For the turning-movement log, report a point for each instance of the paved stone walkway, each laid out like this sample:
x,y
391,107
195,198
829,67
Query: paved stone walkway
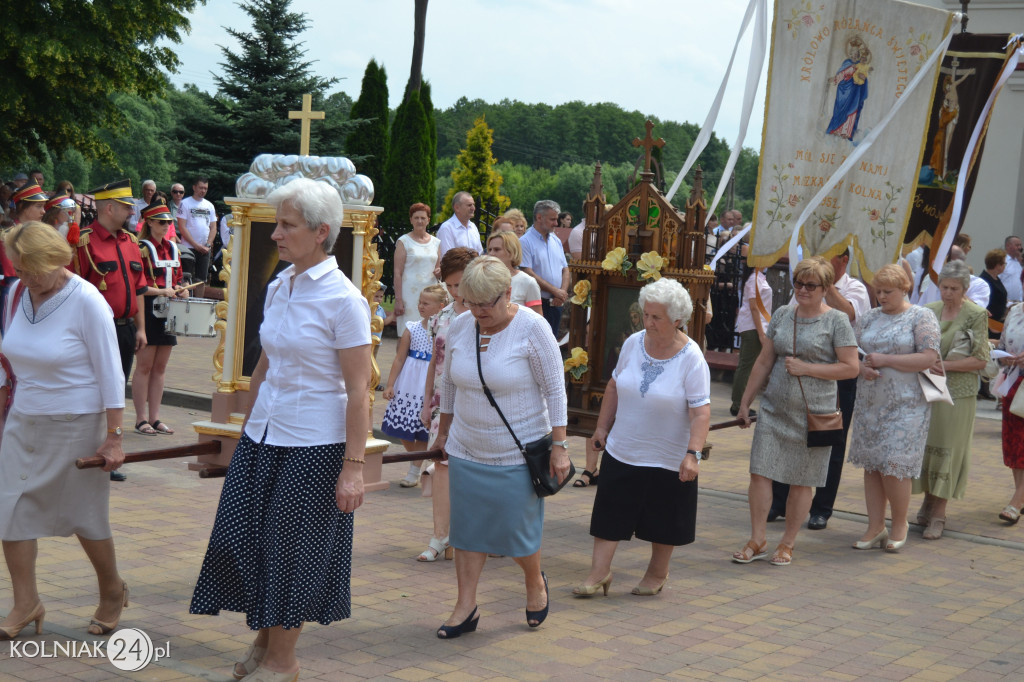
x,y
950,609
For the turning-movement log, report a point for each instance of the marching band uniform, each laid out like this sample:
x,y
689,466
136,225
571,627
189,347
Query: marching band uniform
x,y
112,262
163,271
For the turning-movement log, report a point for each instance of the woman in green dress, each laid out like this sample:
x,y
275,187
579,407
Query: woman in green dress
x,y
965,351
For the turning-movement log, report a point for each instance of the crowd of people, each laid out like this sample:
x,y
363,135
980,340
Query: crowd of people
x,y
478,375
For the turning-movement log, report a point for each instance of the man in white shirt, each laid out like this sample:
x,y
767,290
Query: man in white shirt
x,y
1011,275
148,192
979,291
459,230
544,260
851,297
197,227
576,240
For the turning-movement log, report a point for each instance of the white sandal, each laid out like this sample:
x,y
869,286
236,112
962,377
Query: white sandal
x,y
435,549
253,658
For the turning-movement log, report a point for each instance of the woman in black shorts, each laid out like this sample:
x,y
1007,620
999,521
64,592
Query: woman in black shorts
x,y
163,272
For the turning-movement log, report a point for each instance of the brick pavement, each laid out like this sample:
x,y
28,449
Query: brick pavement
x,y
938,610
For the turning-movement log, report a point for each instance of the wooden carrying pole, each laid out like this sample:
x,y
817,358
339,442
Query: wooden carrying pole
x,y
213,448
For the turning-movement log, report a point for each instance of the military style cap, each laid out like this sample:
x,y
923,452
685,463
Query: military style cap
x,y
120,191
62,200
157,211
29,193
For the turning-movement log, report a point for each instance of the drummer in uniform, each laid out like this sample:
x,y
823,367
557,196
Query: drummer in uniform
x,y
107,256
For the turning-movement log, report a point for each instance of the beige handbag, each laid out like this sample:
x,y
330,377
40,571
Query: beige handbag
x,y
934,387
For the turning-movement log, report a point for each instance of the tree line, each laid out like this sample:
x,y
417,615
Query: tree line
x,y
412,153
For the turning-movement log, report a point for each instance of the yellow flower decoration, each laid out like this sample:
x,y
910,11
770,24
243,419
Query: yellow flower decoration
x,y
616,260
576,363
582,291
650,264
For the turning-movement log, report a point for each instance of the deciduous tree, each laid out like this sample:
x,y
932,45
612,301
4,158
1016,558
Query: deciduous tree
x,y
61,60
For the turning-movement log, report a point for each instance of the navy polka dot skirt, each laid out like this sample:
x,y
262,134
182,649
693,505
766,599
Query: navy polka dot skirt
x,y
280,550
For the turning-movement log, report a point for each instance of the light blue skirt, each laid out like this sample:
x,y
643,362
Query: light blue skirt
x,y
494,509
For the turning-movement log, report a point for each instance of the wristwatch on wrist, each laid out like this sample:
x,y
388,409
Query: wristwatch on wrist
x,y
696,453
117,431
561,443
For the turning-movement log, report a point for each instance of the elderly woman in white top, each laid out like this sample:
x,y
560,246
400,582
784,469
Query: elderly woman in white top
x,y
659,397
281,545
494,509
70,400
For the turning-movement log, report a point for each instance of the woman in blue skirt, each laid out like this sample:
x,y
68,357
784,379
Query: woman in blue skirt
x,y
494,509
281,546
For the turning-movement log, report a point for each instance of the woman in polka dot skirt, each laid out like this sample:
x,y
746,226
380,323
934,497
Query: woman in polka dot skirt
x,y
281,546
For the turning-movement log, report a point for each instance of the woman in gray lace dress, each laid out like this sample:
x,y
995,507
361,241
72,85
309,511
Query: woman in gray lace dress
x,y
900,340
808,343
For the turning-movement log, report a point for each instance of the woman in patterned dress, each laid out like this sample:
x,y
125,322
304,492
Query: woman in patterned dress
x,y
1012,341
453,263
825,351
281,546
900,340
417,256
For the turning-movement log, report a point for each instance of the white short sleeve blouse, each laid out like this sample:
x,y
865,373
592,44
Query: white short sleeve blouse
x,y
652,421
307,319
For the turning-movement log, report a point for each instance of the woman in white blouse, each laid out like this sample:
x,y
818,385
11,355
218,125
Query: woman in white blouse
x,y
281,546
494,509
69,404
657,400
505,247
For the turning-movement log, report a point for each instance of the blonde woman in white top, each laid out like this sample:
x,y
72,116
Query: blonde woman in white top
x,y
494,509
69,404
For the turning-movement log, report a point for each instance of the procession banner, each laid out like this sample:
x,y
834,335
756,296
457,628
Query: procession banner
x,y
969,74
848,79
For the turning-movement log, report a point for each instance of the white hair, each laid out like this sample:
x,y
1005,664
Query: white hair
x,y
956,270
671,294
318,202
484,279
146,183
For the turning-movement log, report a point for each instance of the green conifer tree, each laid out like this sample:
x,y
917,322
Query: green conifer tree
x,y
407,175
428,109
474,171
370,139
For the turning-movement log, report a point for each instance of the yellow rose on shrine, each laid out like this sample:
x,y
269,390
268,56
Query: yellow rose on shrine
x,y
582,293
616,260
576,363
650,264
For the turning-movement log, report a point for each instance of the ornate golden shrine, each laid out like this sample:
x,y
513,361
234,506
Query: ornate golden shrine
x,y
643,221
245,272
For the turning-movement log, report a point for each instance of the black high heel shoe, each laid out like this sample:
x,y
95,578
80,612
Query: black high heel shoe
x,y
453,631
539,616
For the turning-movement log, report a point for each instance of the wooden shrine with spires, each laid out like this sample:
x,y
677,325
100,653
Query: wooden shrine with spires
x,y
643,221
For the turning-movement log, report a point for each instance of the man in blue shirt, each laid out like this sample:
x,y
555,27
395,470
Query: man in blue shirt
x,y
544,260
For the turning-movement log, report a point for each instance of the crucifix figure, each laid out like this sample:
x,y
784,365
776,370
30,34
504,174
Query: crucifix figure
x,y
649,143
306,115
949,115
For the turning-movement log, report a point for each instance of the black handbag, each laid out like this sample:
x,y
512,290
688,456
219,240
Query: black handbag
x,y
537,453
823,430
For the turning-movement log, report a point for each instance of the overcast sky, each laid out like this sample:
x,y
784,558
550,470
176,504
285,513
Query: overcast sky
x,y
661,57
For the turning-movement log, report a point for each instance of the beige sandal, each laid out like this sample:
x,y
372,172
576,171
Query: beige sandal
x,y
935,528
783,555
750,553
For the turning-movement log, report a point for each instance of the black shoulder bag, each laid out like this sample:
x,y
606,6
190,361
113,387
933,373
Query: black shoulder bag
x,y
536,453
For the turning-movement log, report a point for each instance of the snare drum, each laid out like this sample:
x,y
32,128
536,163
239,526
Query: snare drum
x,y
191,317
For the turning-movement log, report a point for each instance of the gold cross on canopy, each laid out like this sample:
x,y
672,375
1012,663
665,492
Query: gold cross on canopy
x,y
648,143
306,115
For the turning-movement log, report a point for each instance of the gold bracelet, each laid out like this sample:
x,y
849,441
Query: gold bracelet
x,y
353,460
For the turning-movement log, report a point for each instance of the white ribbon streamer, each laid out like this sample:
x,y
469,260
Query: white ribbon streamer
x,y
704,136
724,249
939,255
869,139
758,48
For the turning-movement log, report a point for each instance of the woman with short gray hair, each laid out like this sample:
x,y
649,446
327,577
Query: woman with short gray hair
x,y
658,398
964,350
281,546
494,509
